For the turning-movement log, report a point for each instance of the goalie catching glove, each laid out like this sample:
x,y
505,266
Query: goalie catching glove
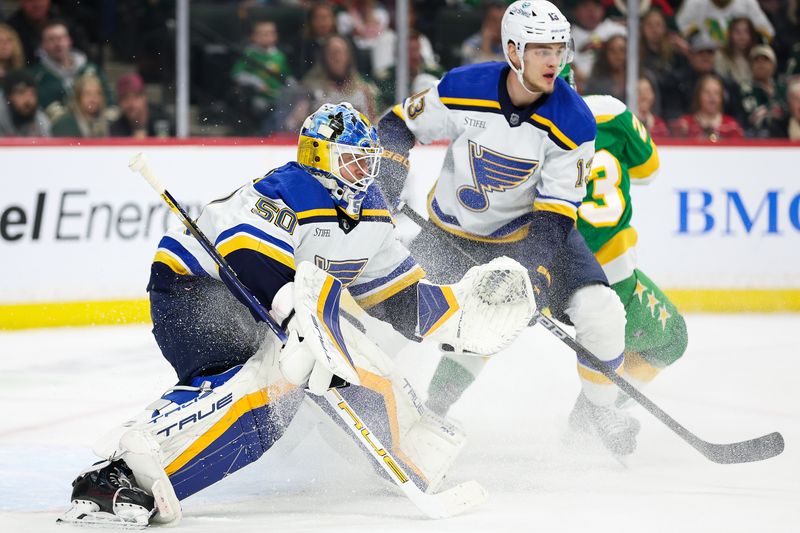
x,y
482,313
316,350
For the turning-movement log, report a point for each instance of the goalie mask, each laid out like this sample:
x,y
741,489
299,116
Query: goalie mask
x,y
536,21
341,148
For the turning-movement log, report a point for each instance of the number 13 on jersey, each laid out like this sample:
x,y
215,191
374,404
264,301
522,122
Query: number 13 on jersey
x,y
607,204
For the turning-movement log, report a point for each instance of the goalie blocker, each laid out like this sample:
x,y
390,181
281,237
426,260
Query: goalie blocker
x,y
198,433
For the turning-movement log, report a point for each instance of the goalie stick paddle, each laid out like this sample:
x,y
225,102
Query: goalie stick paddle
x,y
756,449
444,504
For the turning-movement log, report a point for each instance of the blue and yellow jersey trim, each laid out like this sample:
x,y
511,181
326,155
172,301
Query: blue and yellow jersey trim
x,y
295,187
377,215
555,134
377,290
373,209
479,80
172,253
587,371
315,216
397,109
565,117
247,237
513,231
472,87
471,104
175,264
556,205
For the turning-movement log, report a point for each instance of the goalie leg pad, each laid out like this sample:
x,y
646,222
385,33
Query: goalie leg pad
x,y
388,404
435,442
197,434
376,403
599,319
323,351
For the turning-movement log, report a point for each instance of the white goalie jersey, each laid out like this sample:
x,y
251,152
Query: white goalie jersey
x,y
503,162
266,228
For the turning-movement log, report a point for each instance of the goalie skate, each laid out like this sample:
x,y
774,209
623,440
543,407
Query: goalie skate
x,y
615,429
109,498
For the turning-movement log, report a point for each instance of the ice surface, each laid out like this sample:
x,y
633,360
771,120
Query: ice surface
x,y
62,388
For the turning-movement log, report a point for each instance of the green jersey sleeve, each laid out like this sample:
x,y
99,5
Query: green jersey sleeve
x,y
622,134
624,154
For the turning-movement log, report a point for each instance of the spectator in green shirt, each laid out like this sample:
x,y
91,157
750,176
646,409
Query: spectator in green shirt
x,y
59,67
260,74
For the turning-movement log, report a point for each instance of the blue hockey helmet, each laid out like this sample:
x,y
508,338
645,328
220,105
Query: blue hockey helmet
x,y
341,148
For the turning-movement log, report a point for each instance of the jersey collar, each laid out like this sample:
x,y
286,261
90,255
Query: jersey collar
x,y
515,115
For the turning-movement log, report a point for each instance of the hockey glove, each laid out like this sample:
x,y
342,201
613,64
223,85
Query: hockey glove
x,y
482,313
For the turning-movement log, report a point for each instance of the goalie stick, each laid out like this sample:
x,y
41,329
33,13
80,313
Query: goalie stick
x,y
444,504
757,449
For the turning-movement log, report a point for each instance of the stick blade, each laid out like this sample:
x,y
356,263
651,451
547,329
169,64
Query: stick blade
x,y
748,451
453,501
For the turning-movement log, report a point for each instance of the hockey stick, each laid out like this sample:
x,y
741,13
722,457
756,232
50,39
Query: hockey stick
x,y
747,451
444,504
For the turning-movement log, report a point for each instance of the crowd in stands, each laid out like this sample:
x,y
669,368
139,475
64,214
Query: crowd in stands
x,y
709,69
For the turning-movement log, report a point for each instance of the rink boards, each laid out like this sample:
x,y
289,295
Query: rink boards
x,y
719,227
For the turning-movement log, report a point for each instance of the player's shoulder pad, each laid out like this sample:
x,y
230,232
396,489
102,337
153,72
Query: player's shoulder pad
x,y
566,118
604,107
295,186
471,86
374,207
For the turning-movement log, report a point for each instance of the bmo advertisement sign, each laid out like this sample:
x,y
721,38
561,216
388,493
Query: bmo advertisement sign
x,y
77,226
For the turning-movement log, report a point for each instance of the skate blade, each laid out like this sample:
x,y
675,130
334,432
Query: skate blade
x,y
109,521
87,514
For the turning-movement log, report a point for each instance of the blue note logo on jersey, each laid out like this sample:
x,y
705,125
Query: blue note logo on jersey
x,y
492,171
345,271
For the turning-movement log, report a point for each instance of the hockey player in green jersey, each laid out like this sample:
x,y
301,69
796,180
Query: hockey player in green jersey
x,y
655,334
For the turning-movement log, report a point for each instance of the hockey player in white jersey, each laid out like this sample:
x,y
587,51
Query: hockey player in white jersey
x,y
521,144
289,236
